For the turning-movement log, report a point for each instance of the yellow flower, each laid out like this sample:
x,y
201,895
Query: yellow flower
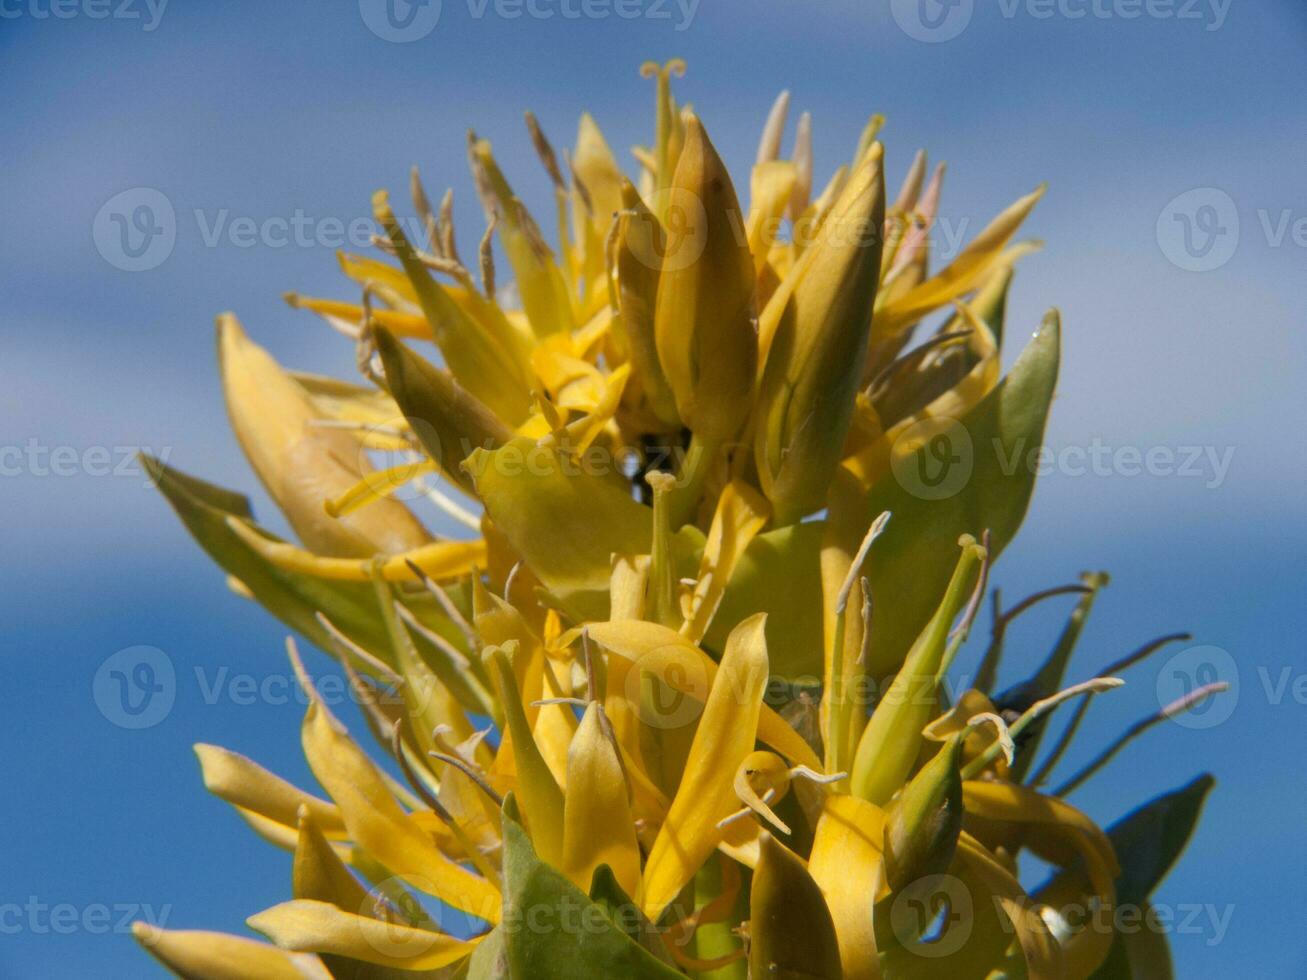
x,y
688,475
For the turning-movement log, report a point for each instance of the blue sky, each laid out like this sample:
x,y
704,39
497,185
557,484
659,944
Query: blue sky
x,y
264,111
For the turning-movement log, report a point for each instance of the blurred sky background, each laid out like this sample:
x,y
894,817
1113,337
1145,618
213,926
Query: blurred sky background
x,y
258,109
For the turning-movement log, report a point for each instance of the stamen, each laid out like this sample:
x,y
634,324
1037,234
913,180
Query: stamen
x,y
512,577
1033,713
1073,726
467,770
1176,707
431,636
423,207
447,247
450,506
486,252
544,151
877,526
354,650
865,647
446,604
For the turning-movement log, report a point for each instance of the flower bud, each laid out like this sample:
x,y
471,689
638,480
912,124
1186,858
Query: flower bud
x,y
704,323
816,334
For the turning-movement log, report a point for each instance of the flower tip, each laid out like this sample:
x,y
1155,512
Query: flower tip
x,y
144,933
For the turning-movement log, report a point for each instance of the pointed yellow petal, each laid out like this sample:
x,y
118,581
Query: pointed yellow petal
x,y
376,821
846,862
319,874
479,361
725,735
539,279
300,464
440,560
741,514
245,784
597,824
309,926
214,956
961,276
542,800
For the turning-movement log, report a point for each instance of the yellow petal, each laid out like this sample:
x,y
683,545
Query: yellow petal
x,y
376,821
597,824
667,655
817,327
308,926
247,785
961,276
740,515
480,362
196,955
318,872
1052,827
790,926
891,741
542,800
725,735
440,560
300,464
847,864
539,279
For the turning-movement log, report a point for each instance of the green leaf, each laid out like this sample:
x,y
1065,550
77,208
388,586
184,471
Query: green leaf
x,y
293,598
910,564
624,913
567,518
553,931
490,961
1149,840
779,574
